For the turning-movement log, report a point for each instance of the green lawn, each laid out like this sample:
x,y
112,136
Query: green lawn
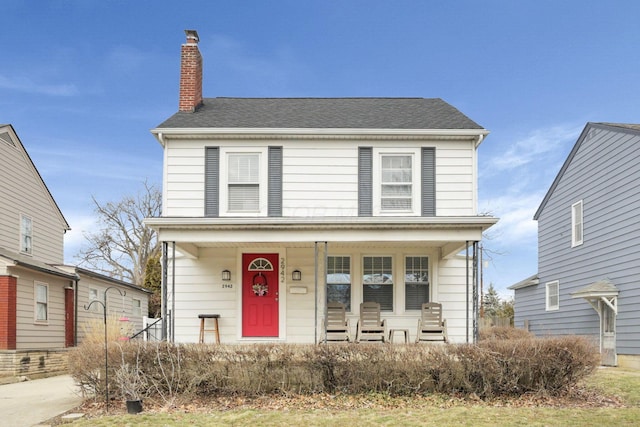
x,y
612,384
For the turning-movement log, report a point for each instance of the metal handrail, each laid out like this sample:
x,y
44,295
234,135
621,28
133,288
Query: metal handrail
x,y
145,329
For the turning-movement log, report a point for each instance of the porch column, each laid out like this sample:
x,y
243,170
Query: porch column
x,y
8,303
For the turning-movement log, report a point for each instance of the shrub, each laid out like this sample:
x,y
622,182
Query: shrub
x,y
504,333
491,368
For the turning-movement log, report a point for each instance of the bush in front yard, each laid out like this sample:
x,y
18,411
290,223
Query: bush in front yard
x,y
490,368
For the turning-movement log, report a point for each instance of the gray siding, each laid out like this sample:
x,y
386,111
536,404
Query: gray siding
x,y
604,173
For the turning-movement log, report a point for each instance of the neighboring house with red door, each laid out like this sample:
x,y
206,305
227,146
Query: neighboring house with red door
x,y
38,304
272,206
588,259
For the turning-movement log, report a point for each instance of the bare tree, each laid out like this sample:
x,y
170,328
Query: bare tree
x,y
123,245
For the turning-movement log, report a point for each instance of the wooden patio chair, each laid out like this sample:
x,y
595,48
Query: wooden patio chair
x,y
370,327
337,326
431,326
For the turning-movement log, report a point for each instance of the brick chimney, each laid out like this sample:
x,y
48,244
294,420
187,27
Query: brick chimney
x,y
190,74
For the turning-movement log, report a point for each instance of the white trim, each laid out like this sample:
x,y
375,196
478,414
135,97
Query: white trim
x,y
549,307
224,181
35,303
24,217
377,181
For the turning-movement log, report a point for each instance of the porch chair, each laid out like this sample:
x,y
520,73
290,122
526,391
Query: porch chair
x,y
337,326
431,326
370,327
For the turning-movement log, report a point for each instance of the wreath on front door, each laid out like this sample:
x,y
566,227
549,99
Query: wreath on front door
x,y
260,287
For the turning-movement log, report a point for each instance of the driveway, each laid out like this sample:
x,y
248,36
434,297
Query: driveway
x,y
32,402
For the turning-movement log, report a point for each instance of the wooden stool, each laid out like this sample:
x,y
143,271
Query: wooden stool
x,y
215,329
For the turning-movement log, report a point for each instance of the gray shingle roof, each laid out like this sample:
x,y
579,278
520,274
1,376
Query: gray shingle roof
x,y
335,113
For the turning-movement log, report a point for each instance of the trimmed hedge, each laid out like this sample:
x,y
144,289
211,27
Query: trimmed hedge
x,y
488,369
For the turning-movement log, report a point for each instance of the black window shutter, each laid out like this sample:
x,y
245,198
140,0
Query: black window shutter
x,y
428,181
275,182
365,181
212,182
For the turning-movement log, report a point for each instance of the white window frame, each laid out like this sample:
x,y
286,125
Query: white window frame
x,y
26,233
577,223
549,287
416,166
350,305
262,181
37,303
427,283
94,307
136,306
391,277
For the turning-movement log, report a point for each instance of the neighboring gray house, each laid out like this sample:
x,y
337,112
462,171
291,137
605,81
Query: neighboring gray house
x,y
588,257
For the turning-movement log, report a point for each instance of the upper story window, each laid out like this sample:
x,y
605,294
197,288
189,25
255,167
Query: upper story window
x,y
339,280
377,281
553,295
41,302
396,183
416,282
577,224
243,182
26,235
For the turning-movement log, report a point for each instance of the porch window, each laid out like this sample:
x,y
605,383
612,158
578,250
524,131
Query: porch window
x,y
396,183
41,302
577,227
26,234
416,282
553,295
339,280
244,182
609,318
377,281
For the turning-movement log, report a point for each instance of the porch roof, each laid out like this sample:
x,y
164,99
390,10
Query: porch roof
x,y
450,234
602,288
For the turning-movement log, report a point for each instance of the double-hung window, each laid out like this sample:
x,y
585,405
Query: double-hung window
x,y
553,295
416,282
577,224
396,183
377,281
136,307
26,235
243,178
41,302
339,280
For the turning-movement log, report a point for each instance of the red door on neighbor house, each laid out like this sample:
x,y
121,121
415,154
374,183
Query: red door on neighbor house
x,y
69,318
260,295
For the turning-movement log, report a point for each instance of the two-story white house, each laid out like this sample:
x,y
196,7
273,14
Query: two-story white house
x,y
272,206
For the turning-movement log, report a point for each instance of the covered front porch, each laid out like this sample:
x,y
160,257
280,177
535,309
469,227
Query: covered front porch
x,y
215,265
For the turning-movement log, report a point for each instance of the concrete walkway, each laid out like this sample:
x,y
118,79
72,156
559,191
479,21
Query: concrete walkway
x,y
29,403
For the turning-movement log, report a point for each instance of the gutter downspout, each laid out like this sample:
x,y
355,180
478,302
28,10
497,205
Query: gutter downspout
x,y
315,307
467,279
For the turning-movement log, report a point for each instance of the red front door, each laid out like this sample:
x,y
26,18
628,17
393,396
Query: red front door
x,y
260,295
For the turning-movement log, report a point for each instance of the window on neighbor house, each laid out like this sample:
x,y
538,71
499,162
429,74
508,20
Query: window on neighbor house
x,y
26,235
396,192
93,296
136,309
577,225
339,280
416,282
377,281
244,182
41,302
553,295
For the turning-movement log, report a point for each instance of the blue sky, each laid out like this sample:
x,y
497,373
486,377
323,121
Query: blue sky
x,y
83,82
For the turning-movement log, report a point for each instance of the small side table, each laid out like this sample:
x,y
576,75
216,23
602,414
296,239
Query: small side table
x,y
404,331
215,328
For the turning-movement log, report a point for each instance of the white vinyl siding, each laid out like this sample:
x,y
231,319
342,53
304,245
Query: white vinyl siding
x,y
320,178
577,224
41,302
553,295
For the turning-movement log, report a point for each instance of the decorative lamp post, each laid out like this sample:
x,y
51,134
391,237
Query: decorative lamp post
x,y
106,348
